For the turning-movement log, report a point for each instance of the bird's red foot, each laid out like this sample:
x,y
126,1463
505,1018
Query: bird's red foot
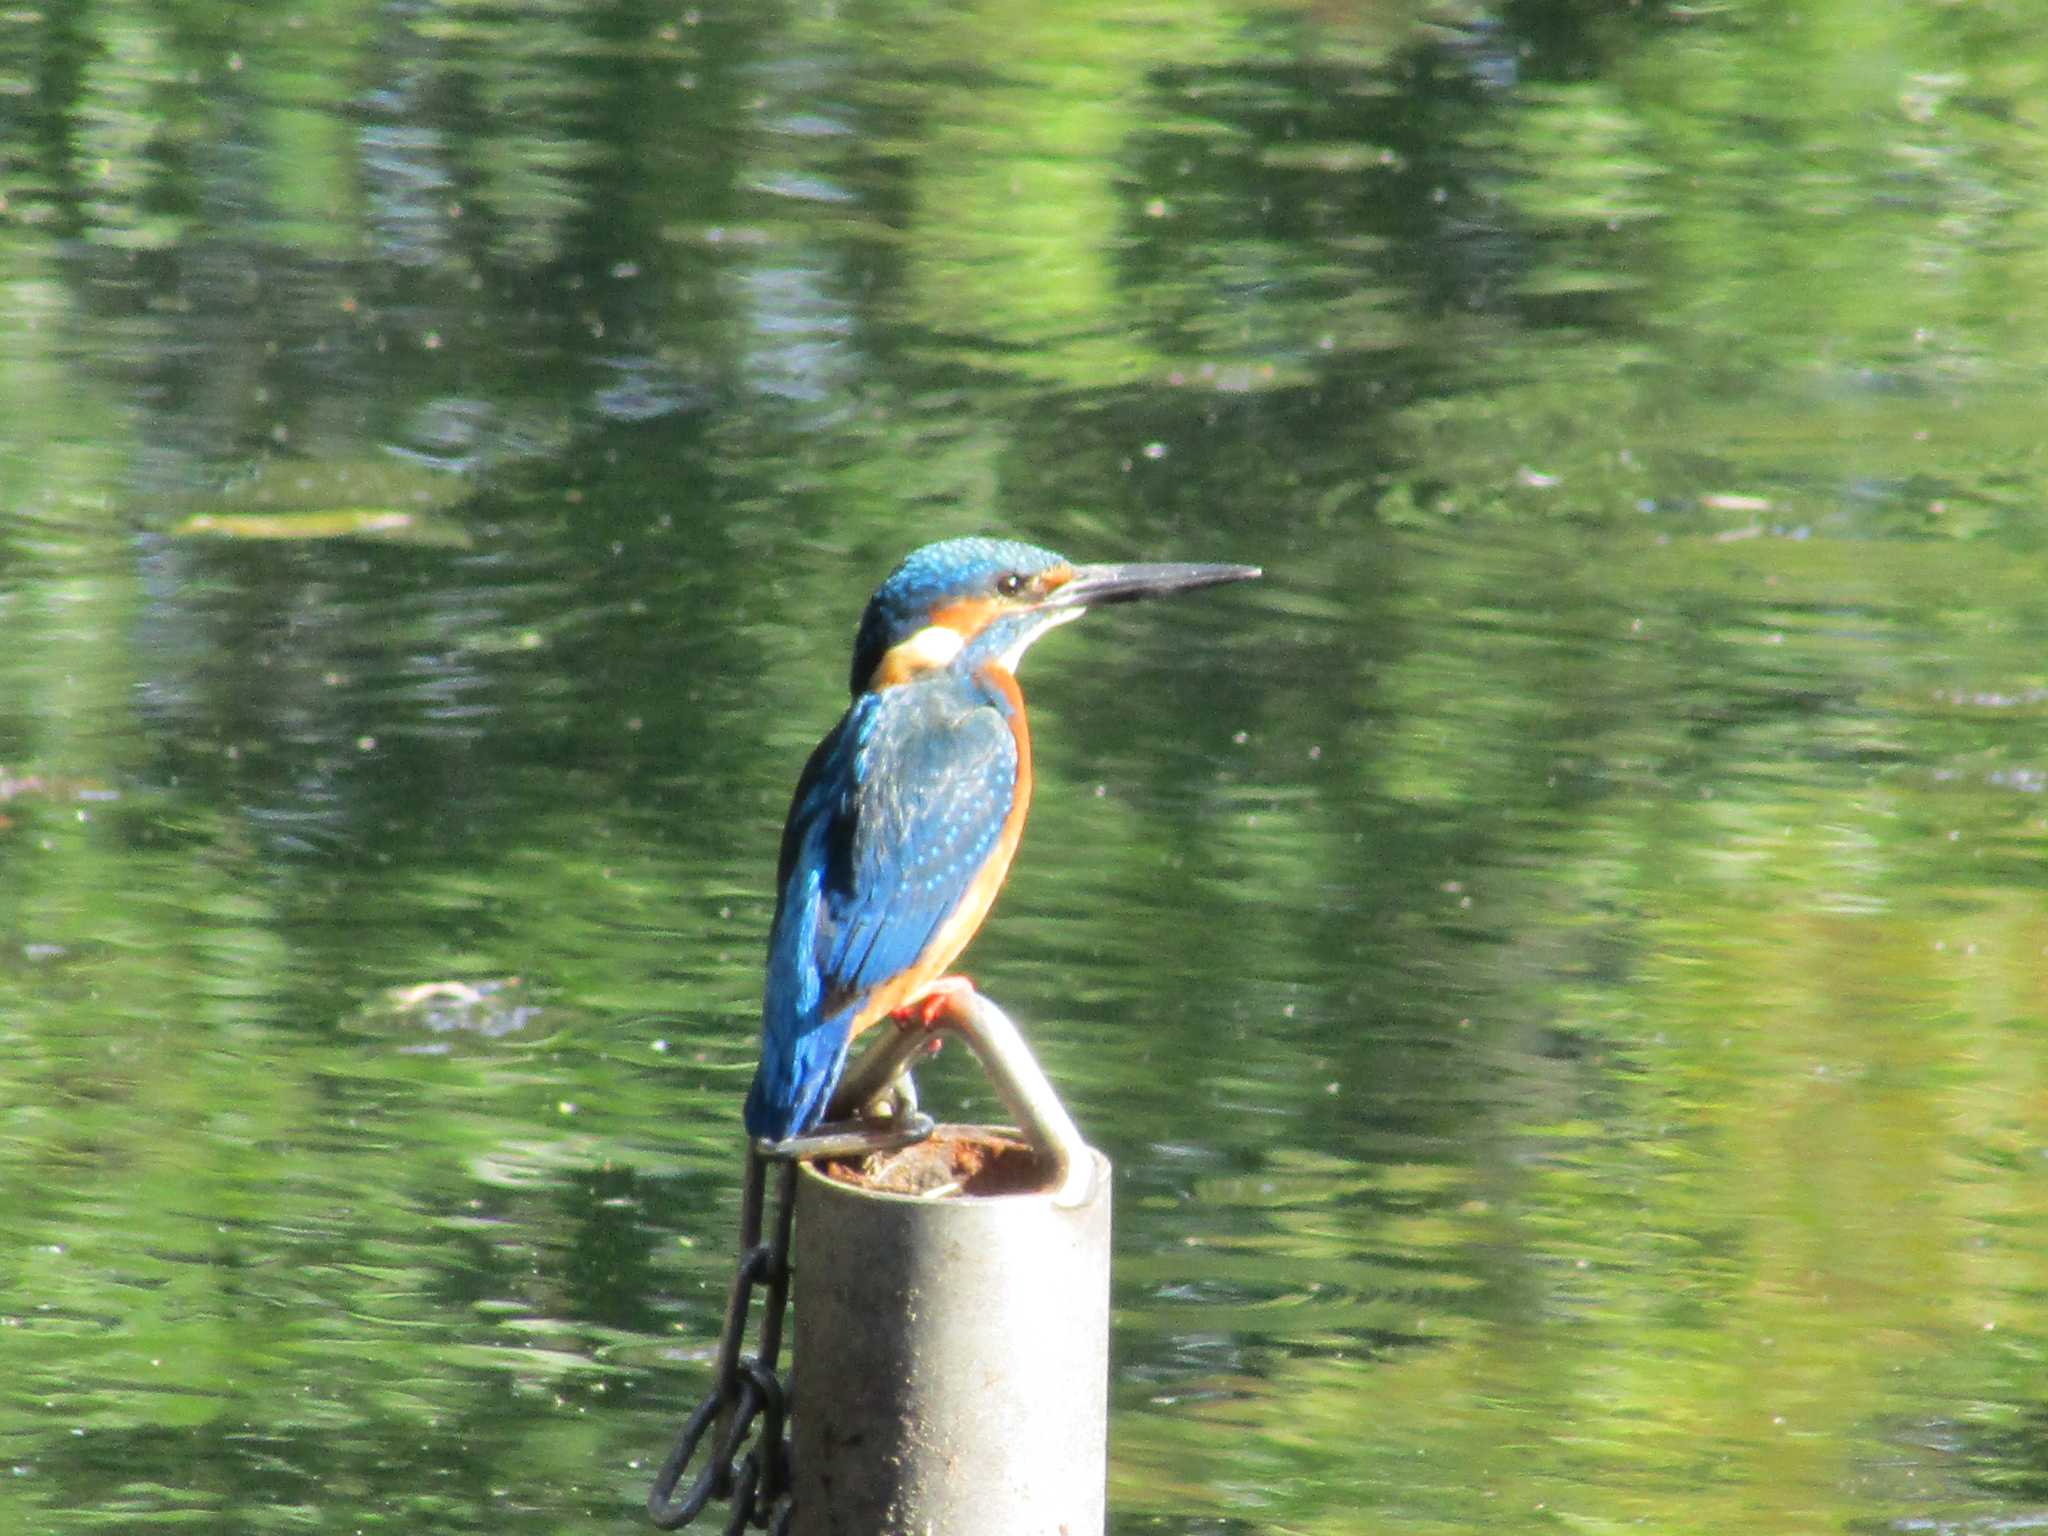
x,y
943,996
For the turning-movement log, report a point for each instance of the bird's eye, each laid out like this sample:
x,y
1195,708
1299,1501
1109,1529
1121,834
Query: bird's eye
x,y
1010,583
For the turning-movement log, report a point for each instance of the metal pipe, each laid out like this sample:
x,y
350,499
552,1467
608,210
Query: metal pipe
x,y
1010,1066
953,1353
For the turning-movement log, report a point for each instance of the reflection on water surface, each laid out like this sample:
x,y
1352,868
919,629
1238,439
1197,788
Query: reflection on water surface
x,y
1558,966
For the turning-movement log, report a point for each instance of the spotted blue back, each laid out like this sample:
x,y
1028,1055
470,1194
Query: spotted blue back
x,y
897,812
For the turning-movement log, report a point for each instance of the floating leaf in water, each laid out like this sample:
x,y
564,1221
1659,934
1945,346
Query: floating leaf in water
x,y
497,1006
387,524
1729,501
297,499
310,485
1341,158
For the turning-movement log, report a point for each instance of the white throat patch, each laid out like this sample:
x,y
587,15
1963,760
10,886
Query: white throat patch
x,y
933,646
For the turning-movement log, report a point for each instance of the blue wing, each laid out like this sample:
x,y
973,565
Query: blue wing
x,y
897,812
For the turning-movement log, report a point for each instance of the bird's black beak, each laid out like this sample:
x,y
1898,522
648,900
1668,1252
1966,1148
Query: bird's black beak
x,y
1092,586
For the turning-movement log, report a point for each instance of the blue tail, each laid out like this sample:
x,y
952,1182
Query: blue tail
x,y
792,1087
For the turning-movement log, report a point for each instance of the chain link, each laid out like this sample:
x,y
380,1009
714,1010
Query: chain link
x,y
747,1403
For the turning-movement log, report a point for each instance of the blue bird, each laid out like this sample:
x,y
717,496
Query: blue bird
x,y
908,812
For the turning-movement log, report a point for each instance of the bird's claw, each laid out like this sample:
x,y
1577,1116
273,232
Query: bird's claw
x,y
946,995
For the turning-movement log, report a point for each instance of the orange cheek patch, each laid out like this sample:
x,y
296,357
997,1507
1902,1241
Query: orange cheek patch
x,y
969,617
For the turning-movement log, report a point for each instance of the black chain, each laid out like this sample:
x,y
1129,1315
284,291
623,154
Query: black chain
x,y
747,1401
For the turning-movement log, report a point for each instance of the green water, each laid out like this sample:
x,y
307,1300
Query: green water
x,y
1560,965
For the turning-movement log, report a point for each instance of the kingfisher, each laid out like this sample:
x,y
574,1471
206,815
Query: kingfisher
x,y
909,811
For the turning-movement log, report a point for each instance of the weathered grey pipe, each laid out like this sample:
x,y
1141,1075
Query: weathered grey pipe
x,y
952,1362
952,1354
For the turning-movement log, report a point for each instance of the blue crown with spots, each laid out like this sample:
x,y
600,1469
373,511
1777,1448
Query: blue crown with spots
x,y
929,578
